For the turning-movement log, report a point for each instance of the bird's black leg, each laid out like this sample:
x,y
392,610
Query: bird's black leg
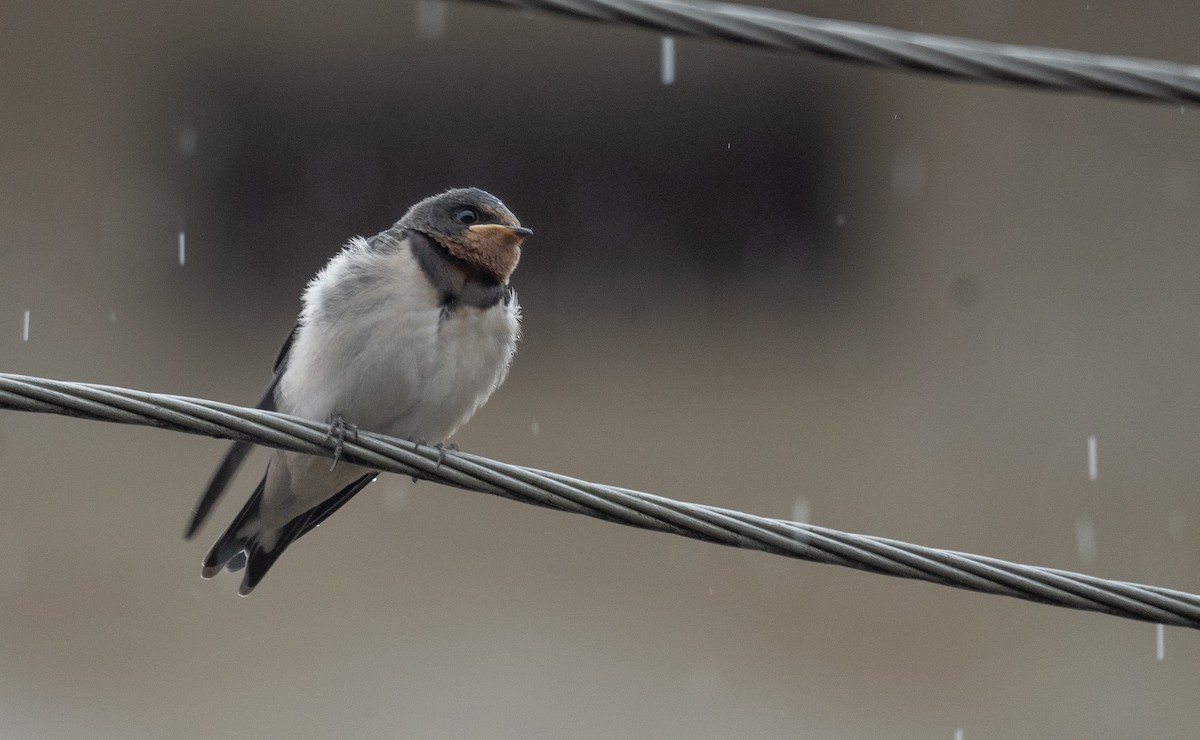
x,y
339,429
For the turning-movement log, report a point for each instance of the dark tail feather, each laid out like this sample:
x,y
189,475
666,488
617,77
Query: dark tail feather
x,y
233,459
245,543
244,530
236,454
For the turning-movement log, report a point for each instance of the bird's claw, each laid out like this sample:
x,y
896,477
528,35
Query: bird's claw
x,y
339,429
417,442
441,448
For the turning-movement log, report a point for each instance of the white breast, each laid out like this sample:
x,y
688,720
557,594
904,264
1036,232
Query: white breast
x,y
375,348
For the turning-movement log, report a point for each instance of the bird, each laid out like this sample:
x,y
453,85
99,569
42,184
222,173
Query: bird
x,y
407,334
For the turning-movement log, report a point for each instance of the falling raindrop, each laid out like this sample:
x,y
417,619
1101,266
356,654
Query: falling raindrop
x,y
25,329
182,247
188,140
1092,462
800,510
1159,638
535,428
839,220
668,60
1085,538
431,17
800,515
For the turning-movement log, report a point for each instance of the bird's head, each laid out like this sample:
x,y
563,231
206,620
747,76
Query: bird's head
x,y
472,225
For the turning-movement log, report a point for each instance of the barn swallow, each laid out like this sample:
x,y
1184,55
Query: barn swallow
x,y
406,333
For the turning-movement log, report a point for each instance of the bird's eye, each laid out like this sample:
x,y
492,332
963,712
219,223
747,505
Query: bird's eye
x,y
467,216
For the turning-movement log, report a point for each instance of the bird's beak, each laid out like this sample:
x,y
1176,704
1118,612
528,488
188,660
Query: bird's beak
x,y
517,232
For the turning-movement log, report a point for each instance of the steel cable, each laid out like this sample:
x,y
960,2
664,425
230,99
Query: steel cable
x,y
966,59
610,503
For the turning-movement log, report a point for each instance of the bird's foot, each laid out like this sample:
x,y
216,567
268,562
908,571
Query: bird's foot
x,y
339,429
418,442
441,448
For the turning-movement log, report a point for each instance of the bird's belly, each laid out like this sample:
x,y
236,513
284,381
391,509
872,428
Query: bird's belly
x,y
408,372
467,358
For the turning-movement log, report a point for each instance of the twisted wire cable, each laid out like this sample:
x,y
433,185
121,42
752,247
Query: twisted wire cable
x,y
1053,69
610,503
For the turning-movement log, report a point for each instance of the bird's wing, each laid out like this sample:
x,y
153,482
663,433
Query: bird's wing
x,y
238,450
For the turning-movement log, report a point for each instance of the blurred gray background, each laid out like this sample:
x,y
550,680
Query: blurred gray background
x,y
885,303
